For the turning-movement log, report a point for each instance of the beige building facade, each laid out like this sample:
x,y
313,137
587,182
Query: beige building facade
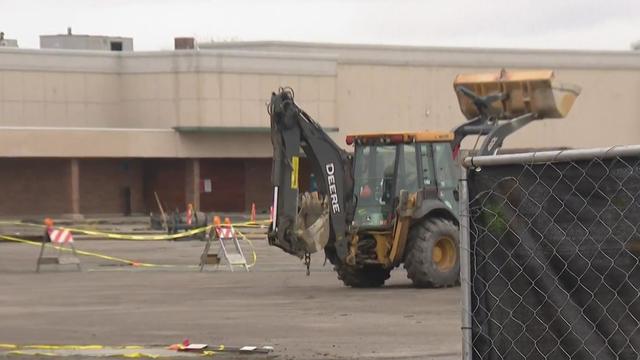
x,y
86,132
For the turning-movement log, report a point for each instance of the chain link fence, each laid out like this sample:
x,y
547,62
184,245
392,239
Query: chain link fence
x,y
551,255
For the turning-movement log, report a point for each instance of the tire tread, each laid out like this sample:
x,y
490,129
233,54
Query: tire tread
x,y
417,256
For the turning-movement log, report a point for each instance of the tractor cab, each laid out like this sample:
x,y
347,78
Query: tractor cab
x,y
385,164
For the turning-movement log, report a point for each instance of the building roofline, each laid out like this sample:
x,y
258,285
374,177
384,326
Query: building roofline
x,y
412,48
132,62
87,35
284,57
173,53
403,55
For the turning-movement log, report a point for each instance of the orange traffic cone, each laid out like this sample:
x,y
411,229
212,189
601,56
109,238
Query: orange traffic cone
x,y
253,212
48,224
189,214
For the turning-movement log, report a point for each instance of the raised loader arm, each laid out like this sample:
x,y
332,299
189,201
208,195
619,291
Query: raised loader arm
x,y
498,104
318,219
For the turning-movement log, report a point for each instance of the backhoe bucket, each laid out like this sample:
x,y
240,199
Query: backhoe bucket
x,y
526,92
312,225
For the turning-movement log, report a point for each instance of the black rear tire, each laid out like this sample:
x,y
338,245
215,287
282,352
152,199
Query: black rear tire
x,y
432,256
362,277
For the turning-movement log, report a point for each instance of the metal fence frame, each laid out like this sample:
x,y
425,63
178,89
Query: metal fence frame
x,y
465,266
531,158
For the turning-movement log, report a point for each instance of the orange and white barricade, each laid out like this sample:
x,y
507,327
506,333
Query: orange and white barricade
x,y
229,247
60,238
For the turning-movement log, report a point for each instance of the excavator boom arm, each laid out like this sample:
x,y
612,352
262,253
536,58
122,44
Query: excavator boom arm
x,y
291,130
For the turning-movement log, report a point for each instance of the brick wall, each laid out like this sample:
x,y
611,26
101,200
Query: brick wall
x,y
167,178
34,187
42,186
228,185
111,186
257,185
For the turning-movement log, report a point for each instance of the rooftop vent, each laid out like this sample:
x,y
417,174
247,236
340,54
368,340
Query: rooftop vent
x,y
7,42
184,43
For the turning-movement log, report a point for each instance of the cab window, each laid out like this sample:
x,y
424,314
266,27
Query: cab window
x,y
408,169
443,161
428,179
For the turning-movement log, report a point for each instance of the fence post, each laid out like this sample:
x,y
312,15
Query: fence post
x,y
465,273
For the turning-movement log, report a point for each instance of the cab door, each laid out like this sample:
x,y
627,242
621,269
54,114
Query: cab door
x,y
446,175
427,172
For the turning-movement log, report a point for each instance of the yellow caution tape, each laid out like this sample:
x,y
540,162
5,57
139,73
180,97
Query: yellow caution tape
x,y
133,355
117,235
136,355
120,236
254,255
20,223
50,351
141,237
63,347
68,347
125,261
17,352
101,256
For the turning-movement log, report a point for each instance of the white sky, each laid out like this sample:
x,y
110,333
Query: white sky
x,y
551,24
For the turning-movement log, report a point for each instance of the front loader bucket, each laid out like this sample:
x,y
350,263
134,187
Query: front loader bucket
x,y
526,92
312,224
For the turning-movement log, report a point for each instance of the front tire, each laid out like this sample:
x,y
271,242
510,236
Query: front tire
x,y
362,277
432,257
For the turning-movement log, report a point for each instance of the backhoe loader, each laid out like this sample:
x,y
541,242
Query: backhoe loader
x,y
394,199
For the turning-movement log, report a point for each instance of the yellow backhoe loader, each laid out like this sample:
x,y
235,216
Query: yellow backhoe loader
x,y
394,199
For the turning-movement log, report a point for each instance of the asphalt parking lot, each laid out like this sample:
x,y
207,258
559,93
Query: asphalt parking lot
x,y
302,317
